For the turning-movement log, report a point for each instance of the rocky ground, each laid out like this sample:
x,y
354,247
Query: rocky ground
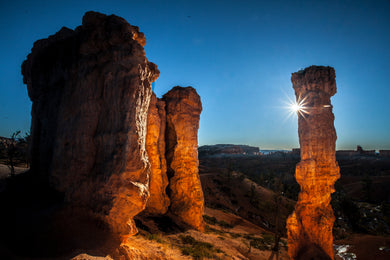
x,y
5,170
239,215
243,240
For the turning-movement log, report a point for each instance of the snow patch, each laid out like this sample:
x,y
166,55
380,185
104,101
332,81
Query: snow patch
x,y
342,252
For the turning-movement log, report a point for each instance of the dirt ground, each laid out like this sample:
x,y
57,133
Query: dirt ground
x,y
5,171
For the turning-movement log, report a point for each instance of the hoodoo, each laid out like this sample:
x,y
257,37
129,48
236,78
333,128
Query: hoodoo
x,y
310,225
158,202
90,88
183,108
99,134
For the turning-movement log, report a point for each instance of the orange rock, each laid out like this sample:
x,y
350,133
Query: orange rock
x,y
183,108
90,89
98,132
310,226
158,202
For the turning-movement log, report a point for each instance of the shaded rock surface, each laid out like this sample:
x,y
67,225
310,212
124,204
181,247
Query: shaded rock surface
x,y
90,89
183,108
310,226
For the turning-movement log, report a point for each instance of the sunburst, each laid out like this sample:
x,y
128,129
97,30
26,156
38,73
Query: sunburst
x,y
298,107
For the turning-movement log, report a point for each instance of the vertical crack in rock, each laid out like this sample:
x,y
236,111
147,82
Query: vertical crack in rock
x,y
183,108
90,89
310,225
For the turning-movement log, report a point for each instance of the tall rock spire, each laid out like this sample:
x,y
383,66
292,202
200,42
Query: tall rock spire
x,y
310,225
158,202
90,88
183,108
98,131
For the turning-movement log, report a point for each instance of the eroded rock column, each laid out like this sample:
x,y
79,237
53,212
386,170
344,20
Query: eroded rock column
x,y
183,108
310,225
90,89
158,202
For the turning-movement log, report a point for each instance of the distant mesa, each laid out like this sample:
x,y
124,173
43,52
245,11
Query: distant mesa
x,y
384,153
350,153
220,149
99,134
359,151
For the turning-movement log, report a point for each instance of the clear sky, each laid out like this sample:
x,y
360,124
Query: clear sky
x,y
239,55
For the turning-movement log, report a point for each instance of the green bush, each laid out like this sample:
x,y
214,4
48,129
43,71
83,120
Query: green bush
x,y
234,235
209,220
263,243
213,230
197,249
224,224
155,237
187,239
269,238
196,252
214,221
259,244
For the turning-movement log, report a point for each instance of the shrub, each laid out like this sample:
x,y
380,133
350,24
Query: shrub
x,y
263,243
234,235
197,249
214,221
259,244
213,230
269,238
224,224
187,239
209,220
155,237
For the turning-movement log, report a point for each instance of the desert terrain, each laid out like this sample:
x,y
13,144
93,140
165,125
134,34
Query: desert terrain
x,y
247,199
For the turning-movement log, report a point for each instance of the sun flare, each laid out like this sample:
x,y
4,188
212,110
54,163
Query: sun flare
x,y
295,107
298,107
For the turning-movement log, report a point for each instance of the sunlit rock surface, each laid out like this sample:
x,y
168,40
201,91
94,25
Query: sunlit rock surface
x,y
183,108
158,202
310,225
90,89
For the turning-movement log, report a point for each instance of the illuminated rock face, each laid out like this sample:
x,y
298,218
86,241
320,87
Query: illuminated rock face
x,y
158,202
90,89
310,225
172,146
183,108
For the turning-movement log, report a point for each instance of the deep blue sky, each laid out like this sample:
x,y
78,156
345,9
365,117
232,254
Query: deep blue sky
x,y
239,55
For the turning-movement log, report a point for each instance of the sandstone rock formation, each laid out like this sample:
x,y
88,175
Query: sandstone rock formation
x,y
90,89
183,108
158,202
310,226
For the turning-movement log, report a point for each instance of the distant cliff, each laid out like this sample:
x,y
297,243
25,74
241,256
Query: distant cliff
x,y
227,149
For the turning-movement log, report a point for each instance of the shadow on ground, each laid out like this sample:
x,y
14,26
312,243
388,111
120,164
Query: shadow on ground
x,y
36,223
